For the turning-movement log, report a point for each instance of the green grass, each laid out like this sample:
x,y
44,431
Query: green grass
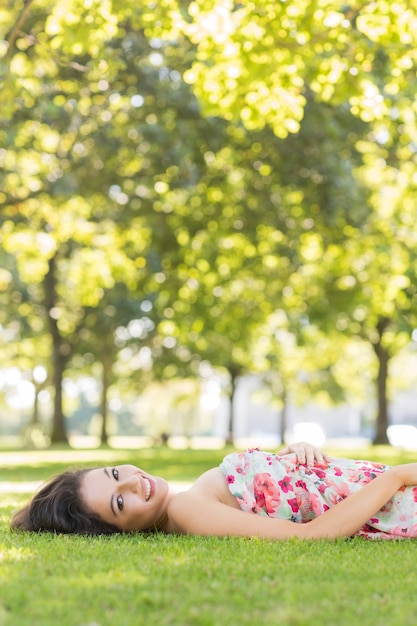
x,y
162,580
172,464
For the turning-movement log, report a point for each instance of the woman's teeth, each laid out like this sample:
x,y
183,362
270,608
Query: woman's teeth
x,y
147,489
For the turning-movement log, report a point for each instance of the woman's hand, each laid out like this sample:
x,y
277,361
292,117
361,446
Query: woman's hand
x,y
306,453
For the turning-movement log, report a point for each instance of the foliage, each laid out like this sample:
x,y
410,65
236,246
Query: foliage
x,y
175,174
257,61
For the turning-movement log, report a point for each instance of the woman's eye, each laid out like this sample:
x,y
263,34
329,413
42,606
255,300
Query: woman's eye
x,y
120,503
115,473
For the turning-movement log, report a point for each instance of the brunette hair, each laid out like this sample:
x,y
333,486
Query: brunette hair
x,y
58,508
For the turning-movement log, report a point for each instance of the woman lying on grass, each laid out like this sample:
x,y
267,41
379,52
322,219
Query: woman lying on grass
x,y
299,492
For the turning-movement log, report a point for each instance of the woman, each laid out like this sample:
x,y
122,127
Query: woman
x,y
300,492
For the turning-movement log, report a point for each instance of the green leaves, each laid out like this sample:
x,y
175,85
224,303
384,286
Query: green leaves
x,y
256,62
77,28
217,161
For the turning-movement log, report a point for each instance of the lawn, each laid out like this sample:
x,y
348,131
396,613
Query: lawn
x,y
162,580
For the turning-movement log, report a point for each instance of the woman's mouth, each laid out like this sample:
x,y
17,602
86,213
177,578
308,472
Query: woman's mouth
x,y
148,488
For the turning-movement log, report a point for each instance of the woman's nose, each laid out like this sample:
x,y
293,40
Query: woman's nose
x,y
130,484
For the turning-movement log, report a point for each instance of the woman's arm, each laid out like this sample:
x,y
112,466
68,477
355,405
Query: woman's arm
x,y
198,512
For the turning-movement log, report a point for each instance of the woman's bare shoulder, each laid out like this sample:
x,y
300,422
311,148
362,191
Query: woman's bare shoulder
x,y
213,483
210,487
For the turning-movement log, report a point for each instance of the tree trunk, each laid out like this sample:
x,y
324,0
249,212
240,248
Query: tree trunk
x,y
35,414
232,406
383,356
105,383
60,351
59,433
284,415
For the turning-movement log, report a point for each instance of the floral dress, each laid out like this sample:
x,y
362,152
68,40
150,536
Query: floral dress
x,y
267,484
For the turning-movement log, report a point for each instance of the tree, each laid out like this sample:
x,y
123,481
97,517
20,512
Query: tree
x,y
261,65
112,176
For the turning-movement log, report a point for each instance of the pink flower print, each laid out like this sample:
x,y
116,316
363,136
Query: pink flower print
x,y
412,531
374,520
368,475
338,492
400,531
378,466
308,471
338,471
260,500
342,489
353,476
266,492
415,494
301,484
316,504
245,502
387,508
293,504
333,498
319,473
230,479
285,484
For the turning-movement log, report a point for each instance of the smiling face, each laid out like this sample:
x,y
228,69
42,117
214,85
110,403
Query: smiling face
x,y
126,496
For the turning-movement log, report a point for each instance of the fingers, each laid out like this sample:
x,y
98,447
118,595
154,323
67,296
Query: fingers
x,y
307,454
312,456
315,456
303,453
319,458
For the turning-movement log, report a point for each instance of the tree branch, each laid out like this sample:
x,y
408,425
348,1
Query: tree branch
x,y
13,33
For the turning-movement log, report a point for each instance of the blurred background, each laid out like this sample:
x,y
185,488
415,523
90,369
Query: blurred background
x,y
207,222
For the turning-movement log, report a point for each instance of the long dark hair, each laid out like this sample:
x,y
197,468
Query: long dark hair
x,y
57,507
